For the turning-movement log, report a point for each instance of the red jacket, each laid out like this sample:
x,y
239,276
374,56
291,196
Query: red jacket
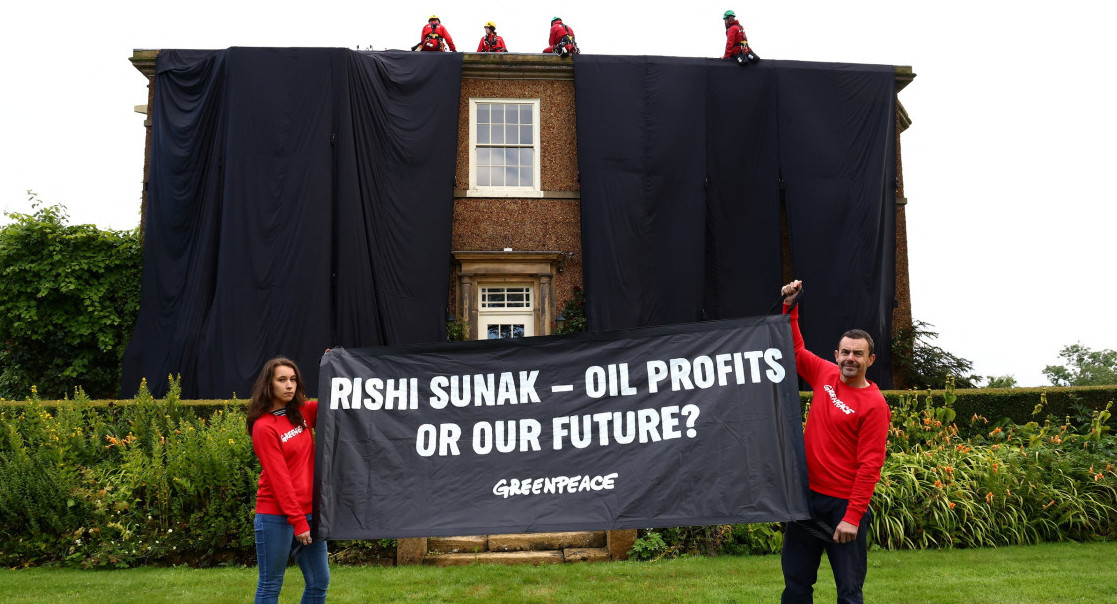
x,y
734,37
438,30
558,30
846,433
286,454
495,44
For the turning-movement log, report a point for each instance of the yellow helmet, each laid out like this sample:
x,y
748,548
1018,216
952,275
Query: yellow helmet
x,y
433,18
490,24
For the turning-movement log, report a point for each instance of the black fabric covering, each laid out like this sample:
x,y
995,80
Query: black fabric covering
x,y
683,164
298,199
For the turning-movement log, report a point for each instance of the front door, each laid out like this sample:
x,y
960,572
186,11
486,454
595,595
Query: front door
x,y
505,311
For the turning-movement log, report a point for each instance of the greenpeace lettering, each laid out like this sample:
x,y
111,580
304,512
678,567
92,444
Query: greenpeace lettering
x,y
679,410
292,433
509,487
844,408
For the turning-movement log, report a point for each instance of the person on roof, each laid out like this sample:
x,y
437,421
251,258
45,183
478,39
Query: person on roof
x,y
491,42
435,37
736,43
562,39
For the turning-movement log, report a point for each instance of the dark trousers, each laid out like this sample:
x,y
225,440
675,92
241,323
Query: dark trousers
x,y
802,553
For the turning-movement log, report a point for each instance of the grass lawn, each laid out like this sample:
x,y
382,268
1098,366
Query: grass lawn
x,y
1056,572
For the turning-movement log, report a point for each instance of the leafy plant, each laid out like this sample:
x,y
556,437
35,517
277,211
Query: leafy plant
x,y
69,301
457,331
574,314
649,545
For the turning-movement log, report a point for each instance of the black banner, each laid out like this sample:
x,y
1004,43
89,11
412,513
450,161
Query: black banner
x,y
679,425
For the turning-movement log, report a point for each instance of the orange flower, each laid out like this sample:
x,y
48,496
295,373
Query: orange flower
x,y
951,504
927,421
989,497
938,484
1097,477
947,469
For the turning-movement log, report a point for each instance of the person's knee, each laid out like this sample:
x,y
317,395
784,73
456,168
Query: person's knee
x,y
321,581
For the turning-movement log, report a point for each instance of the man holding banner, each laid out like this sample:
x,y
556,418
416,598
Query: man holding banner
x,y
845,438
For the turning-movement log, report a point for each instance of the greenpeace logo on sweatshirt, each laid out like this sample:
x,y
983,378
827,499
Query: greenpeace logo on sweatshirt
x,y
837,401
292,433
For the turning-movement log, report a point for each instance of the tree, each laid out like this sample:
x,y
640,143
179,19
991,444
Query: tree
x,y
1000,381
68,303
925,365
1083,367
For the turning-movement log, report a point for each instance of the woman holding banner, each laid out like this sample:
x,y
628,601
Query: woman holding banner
x,y
280,420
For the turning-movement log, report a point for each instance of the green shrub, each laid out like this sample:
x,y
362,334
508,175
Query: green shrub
x,y
122,483
70,298
959,480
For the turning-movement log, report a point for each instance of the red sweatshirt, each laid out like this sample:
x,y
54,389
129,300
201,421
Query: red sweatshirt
x,y
286,455
846,433
558,32
438,30
492,43
734,36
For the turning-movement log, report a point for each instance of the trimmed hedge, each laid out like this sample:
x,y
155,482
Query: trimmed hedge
x,y
1017,405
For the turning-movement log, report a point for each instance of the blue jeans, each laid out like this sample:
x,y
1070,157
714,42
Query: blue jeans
x,y
802,553
275,545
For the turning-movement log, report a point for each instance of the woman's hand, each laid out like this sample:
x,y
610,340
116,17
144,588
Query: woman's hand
x,y
303,538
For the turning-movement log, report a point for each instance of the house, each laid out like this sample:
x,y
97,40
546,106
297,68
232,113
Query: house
x,y
518,241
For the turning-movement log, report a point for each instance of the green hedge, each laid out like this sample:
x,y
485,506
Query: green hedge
x,y
124,483
1017,405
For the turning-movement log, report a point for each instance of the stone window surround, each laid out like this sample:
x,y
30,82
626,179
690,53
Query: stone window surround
x,y
492,267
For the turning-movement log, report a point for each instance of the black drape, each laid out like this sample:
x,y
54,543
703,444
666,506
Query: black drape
x,y
838,160
682,162
298,199
642,169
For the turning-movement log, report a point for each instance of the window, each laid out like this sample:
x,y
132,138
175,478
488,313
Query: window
x,y
504,148
501,331
506,311
506,297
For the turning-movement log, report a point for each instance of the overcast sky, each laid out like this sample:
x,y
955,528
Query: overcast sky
x,y
1010,210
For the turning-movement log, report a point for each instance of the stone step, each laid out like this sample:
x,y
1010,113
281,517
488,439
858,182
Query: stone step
x,y
508,558
520,542
586,554
471,544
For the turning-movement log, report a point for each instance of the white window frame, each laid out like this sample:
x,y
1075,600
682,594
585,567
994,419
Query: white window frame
x,y
503,191
504,314
524,305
